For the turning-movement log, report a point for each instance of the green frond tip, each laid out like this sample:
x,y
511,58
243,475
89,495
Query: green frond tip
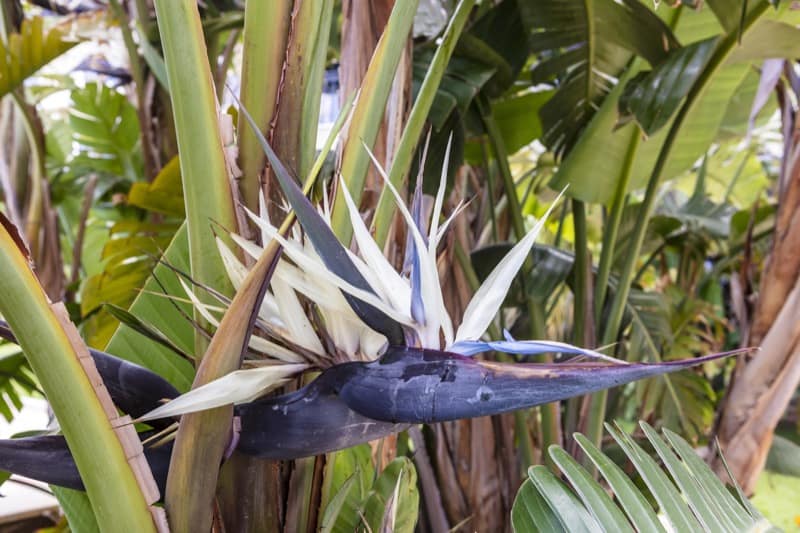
x,y
28,51
679,491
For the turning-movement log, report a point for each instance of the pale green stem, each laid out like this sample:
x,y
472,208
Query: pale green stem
x,y
384,213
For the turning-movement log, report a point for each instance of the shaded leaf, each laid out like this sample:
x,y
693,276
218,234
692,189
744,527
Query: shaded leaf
x,y
652,98
28,51
164,194
584,47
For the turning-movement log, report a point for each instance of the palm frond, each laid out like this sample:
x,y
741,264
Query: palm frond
x,y
679,494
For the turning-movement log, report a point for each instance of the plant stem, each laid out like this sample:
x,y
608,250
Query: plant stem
x,y
266,25
594,428
137,73
611,229
384,213
83,408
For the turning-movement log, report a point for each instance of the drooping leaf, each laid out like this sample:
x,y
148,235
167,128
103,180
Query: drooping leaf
x,y
584,47
28,51
651,98
164,194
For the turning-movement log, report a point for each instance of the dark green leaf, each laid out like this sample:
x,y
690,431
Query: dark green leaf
x,y
652,98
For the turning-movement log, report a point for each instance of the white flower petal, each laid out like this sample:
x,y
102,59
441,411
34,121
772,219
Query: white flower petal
x,y
395,287
237,387
490,295
299,328
436,316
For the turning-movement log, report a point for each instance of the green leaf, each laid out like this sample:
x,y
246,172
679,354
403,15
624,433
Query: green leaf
x,y
599,159
653,97
696,497
164,194
665,493
128,259
517,118
608,515
394,498
545,504
630,497
570,511
585,46
28,51
531,513
77,509
768,39
731,508
16,377
106,129
172,318
349,474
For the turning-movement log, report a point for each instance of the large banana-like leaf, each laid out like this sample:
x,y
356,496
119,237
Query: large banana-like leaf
x,y
685,493
28,51
673,78
128,262
585,46
605,154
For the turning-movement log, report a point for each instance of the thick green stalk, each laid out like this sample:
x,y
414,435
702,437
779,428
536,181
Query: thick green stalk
x,y
137,73
64,368
611,229
416,119
206,183
581,311
369,111
266,26
294,127
201,438
594,428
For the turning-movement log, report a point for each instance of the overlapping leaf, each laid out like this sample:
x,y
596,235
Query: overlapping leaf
x,y
690,498
585,48
652,97
28,51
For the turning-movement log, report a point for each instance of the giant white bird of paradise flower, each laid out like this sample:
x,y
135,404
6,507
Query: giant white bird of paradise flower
x,y
385,344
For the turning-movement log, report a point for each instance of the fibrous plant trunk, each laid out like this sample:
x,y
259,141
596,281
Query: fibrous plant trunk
x,y
765,382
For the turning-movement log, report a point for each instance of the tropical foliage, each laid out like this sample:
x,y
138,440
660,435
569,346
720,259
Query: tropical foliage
x,y
379,260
